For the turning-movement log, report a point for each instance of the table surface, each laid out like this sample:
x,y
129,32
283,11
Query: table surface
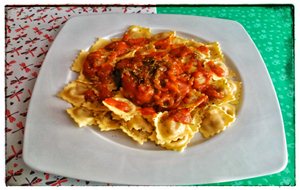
x,y
31,30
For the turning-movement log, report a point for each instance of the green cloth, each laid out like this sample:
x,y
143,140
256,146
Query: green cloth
x,y
271,28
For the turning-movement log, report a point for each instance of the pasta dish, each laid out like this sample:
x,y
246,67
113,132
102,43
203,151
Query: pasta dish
x,y
154,87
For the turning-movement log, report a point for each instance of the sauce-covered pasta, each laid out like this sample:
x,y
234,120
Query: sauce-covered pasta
x,y
158,87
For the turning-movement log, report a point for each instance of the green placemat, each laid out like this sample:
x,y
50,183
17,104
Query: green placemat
x,y
271,28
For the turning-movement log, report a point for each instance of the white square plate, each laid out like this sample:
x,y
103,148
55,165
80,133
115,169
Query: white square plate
x,y
253,146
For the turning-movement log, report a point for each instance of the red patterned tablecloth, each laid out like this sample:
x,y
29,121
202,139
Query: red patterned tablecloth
x,y
30,32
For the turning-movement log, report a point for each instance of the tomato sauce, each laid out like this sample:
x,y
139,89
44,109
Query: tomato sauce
x,y
118,104
182,116
216,69
156,81
147,111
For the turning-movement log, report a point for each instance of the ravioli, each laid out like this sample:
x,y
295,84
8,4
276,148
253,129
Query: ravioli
x,y
99,44
181,143
138,135
105,122
215,120
82,116
168,130
139,123
235,88
215,51
74,93
135,32
77,64
223,87
126,112
157,87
